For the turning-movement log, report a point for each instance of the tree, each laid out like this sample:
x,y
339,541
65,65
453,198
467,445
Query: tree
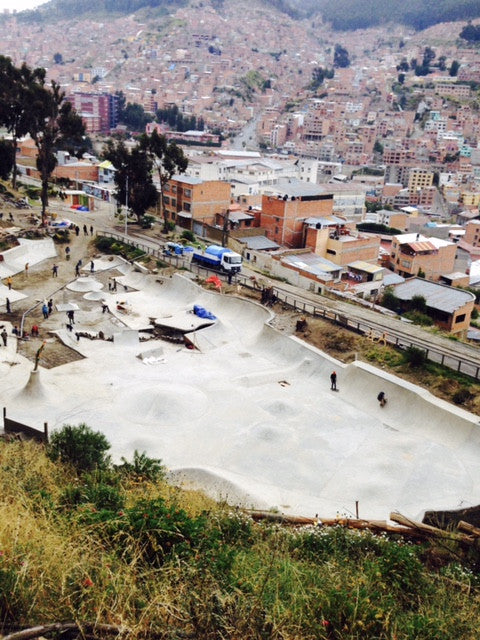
x,y
6,158
52,122
133,177
15,101
454,67
80,446
168,159
134,117
340,57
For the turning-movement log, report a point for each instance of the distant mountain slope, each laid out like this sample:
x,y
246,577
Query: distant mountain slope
x,y
342,14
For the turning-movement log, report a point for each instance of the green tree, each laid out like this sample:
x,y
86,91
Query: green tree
x,y
80,446
167,158
340,57
52,122
133,177
6,158
134,117
15,101
454,67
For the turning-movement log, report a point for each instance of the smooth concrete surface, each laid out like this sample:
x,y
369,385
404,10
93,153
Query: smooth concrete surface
x,y
248,415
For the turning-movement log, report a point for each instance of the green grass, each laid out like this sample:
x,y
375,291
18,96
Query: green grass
x,y
172,564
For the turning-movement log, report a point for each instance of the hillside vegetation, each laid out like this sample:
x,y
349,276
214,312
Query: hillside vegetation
x,y
342,15
119,546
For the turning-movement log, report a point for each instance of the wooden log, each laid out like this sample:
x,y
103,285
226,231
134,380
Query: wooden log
x,y
59,627
428,529
469,528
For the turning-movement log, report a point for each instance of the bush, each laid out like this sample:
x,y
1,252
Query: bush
x,y
415,357
79,446
188,235
419,318
142,467
462,396
390,300
104,244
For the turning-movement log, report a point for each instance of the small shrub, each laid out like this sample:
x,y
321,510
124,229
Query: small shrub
x,y
79,446
104,244
188,235
415,357
142,467
419,318
462,396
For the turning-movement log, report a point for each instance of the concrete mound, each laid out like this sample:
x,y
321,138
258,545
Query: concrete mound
x,y
94,295
167,404
85,283
33,388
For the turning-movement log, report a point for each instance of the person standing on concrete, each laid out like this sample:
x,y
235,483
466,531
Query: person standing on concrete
x,y
45,311
26,269
382,399
91,230
9,282
92,266
77,230
7,305
50,306
85,230
333,381
67,253
55,271
77,268
4,337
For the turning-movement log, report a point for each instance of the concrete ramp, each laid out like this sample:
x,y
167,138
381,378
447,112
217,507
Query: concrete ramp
x,y
31,251
409,408
33,389
127,338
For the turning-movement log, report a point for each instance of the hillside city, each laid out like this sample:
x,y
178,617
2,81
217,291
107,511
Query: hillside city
x,y
347,161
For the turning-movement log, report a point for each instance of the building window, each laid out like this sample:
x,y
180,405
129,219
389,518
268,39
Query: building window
x,y
460,318
174,188
187,206
276,230
187,193
166,199
331,252
174,202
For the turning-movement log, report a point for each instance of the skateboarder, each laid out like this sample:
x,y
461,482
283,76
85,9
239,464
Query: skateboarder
x,y
333,381
4,335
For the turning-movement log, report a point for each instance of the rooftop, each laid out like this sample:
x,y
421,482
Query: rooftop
x,y
437,296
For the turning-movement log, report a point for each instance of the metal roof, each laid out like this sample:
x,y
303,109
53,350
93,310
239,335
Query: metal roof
x,y
361,265
259,243
437,296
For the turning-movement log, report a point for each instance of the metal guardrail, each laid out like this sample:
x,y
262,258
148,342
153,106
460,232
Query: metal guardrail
x,y
374,330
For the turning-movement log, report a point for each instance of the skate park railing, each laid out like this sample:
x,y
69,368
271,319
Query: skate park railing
x,y
466,362
18,428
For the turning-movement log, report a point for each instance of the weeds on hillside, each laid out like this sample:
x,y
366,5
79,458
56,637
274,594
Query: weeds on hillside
x,y
172,564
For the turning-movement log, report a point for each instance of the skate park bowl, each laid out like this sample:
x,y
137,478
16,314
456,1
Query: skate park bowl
x,y
247,414
28,251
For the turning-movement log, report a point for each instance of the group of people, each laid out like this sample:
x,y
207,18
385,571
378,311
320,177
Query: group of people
x,y
381,397
47,308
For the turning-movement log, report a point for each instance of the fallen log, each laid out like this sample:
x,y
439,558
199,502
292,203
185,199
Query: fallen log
x,y
429,530
59,627
469,528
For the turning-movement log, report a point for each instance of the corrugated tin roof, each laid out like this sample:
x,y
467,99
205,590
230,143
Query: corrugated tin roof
x,y
437,296
259,243
422,246
361,265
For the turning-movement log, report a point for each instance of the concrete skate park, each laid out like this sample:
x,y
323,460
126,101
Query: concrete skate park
x,y
247,414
